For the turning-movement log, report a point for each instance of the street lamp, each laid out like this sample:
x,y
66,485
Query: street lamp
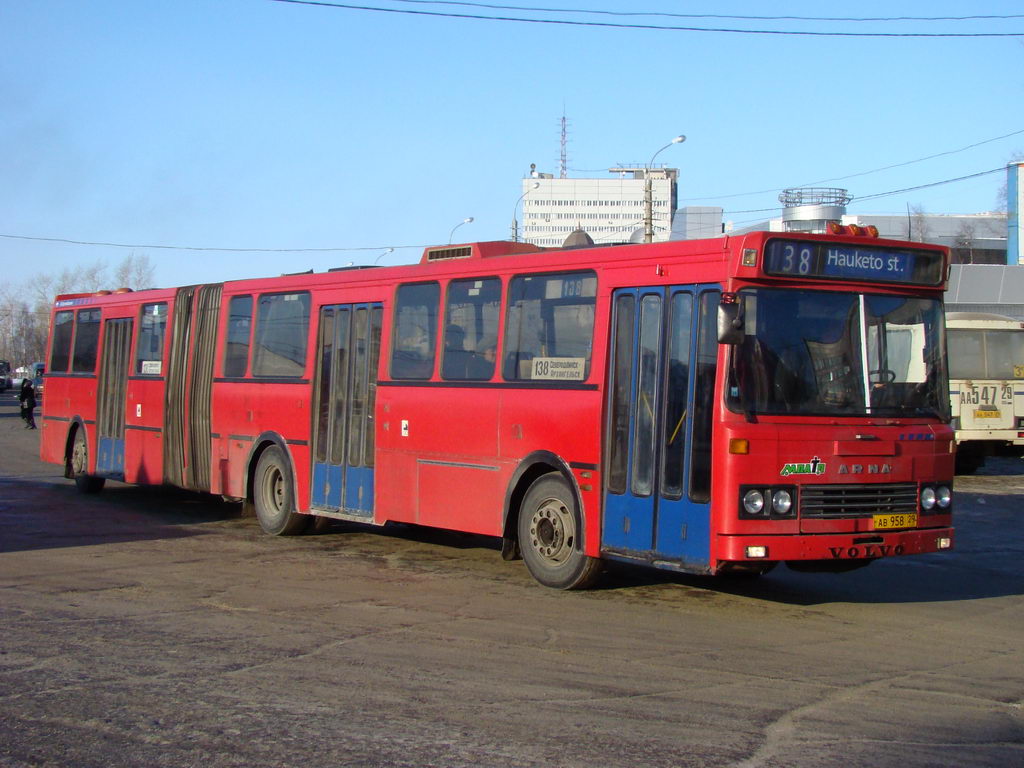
x,y
515,224
467,220
381,256
648,203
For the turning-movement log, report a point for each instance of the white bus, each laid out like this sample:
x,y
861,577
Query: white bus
x,y
986,386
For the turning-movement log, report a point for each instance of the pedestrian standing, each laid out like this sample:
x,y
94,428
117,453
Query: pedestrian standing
x,y
28,402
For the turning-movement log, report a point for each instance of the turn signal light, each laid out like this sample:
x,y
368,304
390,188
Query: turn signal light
x,y
739,446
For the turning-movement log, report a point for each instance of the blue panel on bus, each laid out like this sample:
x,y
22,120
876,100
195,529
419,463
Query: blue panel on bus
x,y
684,531
326,486
110,456
359,490
628,523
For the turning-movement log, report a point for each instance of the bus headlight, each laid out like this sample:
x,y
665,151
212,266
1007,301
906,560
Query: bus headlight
x,y
753,502
927,498
762,502
782,502
943,496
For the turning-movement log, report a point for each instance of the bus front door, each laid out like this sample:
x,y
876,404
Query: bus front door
x,y
661,380
110,397
344,396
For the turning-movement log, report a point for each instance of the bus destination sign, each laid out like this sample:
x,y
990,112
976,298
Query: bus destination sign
x,y
811,259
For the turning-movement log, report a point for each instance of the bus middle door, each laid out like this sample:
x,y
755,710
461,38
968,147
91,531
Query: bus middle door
x,y
344,398
659,419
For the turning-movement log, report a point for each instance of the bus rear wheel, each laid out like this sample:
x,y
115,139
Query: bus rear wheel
x,y
549,537
84,482
274,496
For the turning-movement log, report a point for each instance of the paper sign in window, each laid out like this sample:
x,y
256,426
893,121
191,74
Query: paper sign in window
x,y
558,368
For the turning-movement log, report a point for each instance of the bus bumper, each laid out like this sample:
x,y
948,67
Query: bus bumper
x,y
844,546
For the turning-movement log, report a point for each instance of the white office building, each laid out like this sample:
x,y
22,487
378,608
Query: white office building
x,y
609,210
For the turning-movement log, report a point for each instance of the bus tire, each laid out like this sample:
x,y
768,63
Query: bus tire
x,y
549,536
84,482
968,460
274,495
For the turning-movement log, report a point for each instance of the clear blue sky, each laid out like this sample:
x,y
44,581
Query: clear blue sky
x,y
261,124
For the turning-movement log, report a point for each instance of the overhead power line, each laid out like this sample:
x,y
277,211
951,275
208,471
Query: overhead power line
x,y
666,28
876,195
670,15
855,175
69,241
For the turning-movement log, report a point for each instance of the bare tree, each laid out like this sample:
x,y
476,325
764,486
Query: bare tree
x,y
23,328
964,242
25,308
135,272
85,278
917,223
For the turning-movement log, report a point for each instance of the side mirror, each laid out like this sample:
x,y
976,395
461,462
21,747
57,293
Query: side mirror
x,y
730,323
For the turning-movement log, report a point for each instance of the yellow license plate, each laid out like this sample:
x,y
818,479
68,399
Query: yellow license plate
x,y
885,522
987,414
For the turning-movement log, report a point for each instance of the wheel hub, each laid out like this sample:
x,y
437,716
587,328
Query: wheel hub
x,y
78,458
275,489
552,531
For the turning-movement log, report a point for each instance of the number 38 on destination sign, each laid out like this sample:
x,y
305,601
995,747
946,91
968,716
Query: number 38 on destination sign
x,y
792,258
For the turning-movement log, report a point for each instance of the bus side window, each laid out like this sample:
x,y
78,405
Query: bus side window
x,y
87,337
471,329
282,335
415,334
236,349
60,352
149,347
549,329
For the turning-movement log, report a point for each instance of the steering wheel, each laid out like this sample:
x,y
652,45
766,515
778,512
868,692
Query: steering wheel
x,y
885,375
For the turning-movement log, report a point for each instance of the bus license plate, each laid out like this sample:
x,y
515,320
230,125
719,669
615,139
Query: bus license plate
x,y
987,413
885,522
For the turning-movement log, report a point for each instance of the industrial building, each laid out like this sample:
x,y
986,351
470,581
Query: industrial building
x,y
609,210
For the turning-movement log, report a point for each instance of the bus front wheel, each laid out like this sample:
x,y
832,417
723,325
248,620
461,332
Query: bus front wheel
x,y
968,460
549,536
85,482
274,496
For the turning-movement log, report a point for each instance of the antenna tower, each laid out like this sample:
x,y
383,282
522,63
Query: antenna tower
x,y
562,161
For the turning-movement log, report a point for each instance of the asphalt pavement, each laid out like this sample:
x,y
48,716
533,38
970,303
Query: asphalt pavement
x,y
153,627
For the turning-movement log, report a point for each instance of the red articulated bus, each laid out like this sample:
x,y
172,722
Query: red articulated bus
x,y
708,406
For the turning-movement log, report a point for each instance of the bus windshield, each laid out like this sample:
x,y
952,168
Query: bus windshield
x,y
838,354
